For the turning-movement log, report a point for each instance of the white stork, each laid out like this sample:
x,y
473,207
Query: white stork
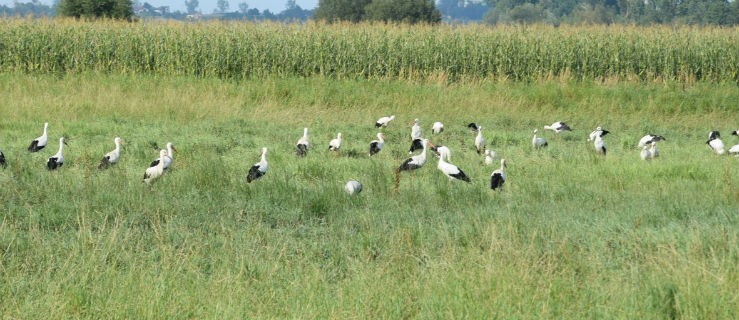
x,y
479,141
598,143
645,153
437,128
353,187
153,173
450,170
647,140
490,156
715,143
497,178
416,144
538,142
735,133
416,130
443,151
416,161
558,127
40,142
168,158
2,160
473,126
376,145
259,169
112,157
384,121
335,144
734,150
595,133
653,151
302,145
56,161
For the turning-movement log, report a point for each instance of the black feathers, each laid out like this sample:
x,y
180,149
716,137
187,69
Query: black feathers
x,y
301,150
254,174
53,163
2,160
34,147
417,144
104,163
496,180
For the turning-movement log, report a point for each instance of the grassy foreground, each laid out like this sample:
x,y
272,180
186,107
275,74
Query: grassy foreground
x,y
571,235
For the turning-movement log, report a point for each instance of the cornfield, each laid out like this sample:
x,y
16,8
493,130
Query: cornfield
x,y
371,51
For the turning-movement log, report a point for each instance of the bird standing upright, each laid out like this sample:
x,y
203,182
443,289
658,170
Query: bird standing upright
x,y
376,145
479,141
302,145
112,157
416,130
155,172
715,143
259,169
335,143
497,178
40,142
450,170
56,161
538,142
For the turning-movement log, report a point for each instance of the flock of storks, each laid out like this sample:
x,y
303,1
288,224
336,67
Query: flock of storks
x,y
156,169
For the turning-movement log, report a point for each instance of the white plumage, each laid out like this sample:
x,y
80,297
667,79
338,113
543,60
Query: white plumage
x,y
376,145
416,161
416,130
734,150
112,157
595,133
715,143
490,156
155,172
558,127
168,157
444,151
497,178
259,169
353,187
384,121
647,139
450,170
599,143
335,143
56,161
645,154
653,150
303,145
538,142
437,128
40,142
479,141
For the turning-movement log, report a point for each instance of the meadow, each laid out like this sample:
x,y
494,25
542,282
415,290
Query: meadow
x,y
571,234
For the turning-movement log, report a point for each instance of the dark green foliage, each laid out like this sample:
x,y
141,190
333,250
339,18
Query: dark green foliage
x,y
410,11
341,10
115,9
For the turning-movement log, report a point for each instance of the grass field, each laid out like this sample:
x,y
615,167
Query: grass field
x,y
571,235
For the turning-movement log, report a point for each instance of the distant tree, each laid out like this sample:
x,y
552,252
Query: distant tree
x,y
243,7
222,6
116,9
409,11
191,5
293,12
341,10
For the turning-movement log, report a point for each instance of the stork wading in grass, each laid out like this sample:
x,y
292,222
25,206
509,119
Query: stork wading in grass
x,y
714,142
413,163
450,170
437,128
302,146
598,143
259,169
538,142
376,145
479,141
497,178
168,158
153,173
112,157
56,161
416,130
384,121
558,127
335,143
595,132
40,142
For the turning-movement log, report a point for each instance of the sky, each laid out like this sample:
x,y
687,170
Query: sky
x,y
207,6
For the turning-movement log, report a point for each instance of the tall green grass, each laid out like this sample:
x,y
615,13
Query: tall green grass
x,y
571,235
372,51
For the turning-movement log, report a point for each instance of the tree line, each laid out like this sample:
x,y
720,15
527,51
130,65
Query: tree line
x,y
552,12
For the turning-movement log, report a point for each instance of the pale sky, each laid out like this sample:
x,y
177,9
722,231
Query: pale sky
x,y
207,6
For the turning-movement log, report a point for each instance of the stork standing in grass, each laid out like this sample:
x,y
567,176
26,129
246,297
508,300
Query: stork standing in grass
x,y
450,170
653,151
479,141
735,149
715,143
558,127
443,151
376,145
490,156
416,161
335,144
645,153
497,178
595,132
153,173
112,157
56,161
259,169
302,145
416,130
598,142
648,139
384,121
416,144
40,142
168,158
538,142
437,128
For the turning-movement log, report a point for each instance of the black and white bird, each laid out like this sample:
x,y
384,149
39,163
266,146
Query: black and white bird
x,y
259,169
416,161
416,130
2,160
437,128
734,149
335,143
353,187
56,161
595,133
715,143
645,153
479,141
598,142
558,127
376,145
416,144
443,151
153,173
450,170
538,142
473,126
735,133
490,156
302,146
497,178
112,157
648,139
384,121
40,142
168,158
